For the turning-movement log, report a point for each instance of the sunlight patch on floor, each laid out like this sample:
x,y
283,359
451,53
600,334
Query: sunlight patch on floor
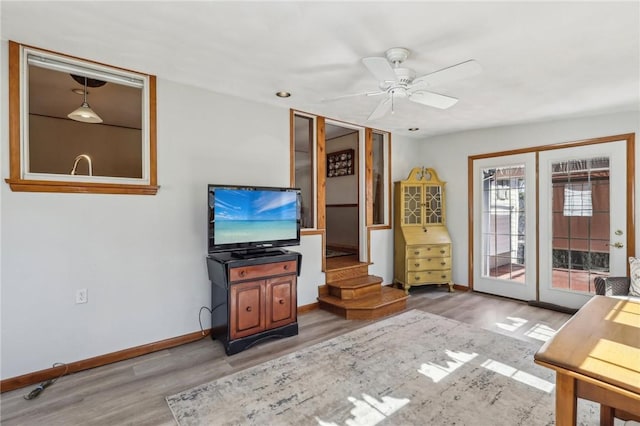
x,y
515,324
369,411
540,332
438,372
518,375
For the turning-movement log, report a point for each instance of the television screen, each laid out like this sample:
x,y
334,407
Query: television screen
x,y
253,217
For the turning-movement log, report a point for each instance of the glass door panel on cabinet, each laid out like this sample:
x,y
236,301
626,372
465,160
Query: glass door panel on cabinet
x,y
413,204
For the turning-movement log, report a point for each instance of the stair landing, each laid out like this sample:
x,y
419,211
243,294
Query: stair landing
x,y
354,294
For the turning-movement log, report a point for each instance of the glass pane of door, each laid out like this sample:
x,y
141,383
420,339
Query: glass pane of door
x,y
580,224
504,222
582,220
504,226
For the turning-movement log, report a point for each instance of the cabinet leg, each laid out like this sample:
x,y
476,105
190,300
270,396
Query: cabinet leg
x,y
451,290
406,289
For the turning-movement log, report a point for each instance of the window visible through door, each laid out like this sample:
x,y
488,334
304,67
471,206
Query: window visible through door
x,y
580,222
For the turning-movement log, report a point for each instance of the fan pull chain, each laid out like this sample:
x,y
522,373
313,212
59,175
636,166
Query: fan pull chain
x,y
392,109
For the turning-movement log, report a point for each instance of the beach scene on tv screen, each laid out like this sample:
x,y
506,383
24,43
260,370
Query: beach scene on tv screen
x,y
252,216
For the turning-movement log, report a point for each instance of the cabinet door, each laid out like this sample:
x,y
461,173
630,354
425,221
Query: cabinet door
x,y
247,309
412,204
433,204
281,301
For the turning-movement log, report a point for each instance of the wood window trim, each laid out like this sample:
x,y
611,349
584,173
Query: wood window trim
x,y
368,154
18,184
321,173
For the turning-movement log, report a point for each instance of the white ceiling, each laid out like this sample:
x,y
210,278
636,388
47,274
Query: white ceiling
x,y
540,60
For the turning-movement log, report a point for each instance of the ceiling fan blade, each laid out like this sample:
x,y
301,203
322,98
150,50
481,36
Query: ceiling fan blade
x,y
380,68
432,99
353,95
381,110
452,73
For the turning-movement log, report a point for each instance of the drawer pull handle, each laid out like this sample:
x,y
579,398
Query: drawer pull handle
x,y
428,248
417,277
243,273
417,264
443,276
442,251
281,301
286,267
248,308
443,263
416,252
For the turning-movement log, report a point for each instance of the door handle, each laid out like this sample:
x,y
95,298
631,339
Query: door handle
x,y
616,245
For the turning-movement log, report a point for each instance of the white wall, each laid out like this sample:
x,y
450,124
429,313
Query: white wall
x,y
448,155
142,258
406,153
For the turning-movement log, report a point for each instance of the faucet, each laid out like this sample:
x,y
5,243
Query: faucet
x,y
80,157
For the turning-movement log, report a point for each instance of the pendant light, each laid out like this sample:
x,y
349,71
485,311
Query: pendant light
x,y
84,113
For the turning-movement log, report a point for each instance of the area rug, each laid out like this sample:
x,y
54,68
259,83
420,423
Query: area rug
x,y
411,369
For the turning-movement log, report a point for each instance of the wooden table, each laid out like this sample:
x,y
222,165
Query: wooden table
x,y
596,356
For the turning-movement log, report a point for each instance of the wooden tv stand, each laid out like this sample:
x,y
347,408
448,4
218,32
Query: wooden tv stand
x,y
253,298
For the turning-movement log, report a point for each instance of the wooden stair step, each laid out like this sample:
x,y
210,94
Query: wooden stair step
x,y
386,302
346,272
353,288
356,282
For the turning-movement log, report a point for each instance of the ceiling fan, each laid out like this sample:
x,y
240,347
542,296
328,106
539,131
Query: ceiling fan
x,y
399,82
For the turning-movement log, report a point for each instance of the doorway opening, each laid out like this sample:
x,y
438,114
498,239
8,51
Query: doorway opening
x,y
342,194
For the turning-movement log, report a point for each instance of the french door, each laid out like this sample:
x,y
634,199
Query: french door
x,y
583,223
504,232
579,222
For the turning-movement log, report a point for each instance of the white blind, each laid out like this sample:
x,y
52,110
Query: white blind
x,y
577,199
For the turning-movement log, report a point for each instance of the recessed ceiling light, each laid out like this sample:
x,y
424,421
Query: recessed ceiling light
x,y
79,91
283,94
414,129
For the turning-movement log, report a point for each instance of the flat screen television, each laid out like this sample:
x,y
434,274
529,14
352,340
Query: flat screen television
x,y
252,219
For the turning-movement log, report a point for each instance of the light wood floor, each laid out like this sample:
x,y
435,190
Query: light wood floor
x,y
133,391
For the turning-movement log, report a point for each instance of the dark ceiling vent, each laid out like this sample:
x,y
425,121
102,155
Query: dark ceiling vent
x,y
91,82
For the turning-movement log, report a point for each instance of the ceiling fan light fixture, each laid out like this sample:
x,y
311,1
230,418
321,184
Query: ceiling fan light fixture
x,y
84,113
401,82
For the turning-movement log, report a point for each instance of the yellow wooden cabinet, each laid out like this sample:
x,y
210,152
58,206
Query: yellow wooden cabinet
x,y
422,246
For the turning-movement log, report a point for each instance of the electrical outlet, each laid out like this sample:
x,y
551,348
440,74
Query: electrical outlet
x,y
82,296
